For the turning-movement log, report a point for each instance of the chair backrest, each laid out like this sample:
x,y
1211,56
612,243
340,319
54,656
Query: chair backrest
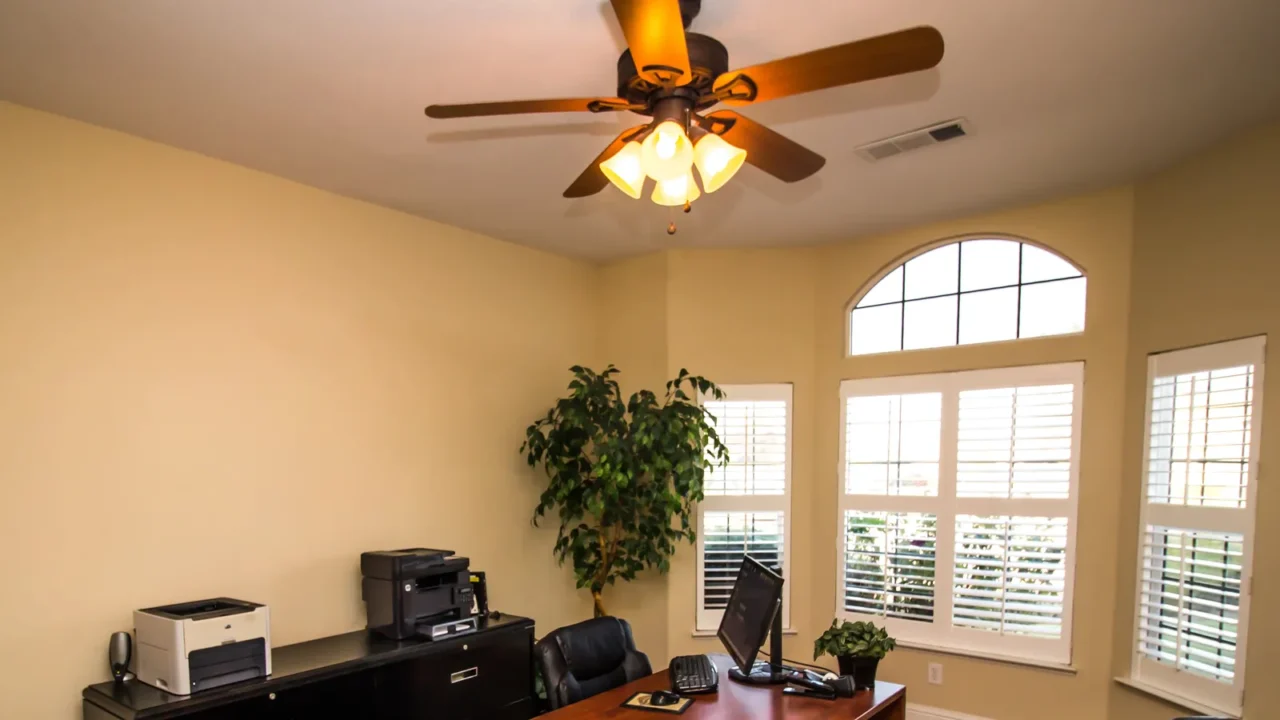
x,y
588,658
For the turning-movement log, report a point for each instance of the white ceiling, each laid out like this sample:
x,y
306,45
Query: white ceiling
x,y
1062,95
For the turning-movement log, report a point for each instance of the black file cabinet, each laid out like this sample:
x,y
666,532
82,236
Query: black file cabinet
x,y
487,675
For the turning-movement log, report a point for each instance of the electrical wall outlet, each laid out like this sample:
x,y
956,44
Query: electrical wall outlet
x,y
935,673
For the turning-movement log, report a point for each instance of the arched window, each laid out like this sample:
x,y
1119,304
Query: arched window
x,y
972,291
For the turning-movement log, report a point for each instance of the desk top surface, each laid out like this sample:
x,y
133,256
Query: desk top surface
x,y
737,701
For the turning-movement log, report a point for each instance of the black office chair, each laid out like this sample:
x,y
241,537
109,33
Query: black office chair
x,y
588,658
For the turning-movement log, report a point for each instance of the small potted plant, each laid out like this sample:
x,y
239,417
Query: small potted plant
x,y
857,648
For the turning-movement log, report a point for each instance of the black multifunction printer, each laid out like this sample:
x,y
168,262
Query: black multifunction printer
x,y
418,593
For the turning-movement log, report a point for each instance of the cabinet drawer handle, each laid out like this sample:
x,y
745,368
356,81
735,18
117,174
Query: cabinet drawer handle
x,y
461,675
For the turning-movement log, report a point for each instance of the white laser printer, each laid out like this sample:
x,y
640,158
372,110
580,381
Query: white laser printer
x,y
194,646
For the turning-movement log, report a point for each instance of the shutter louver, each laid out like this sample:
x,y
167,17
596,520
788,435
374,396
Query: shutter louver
x,y
1010,574
889,564
892,444
1015,442
1190,600
727,539
1200,430
755,434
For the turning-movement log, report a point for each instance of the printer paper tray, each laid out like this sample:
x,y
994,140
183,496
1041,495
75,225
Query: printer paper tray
x,y
448,629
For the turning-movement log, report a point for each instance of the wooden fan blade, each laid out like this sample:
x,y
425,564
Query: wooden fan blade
x,y
655,34
772,152
516,107
897,53
592,180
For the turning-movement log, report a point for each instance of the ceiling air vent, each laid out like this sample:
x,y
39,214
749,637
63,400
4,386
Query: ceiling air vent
x,y
914,140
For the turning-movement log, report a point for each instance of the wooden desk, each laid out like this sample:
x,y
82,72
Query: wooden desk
x,y
735,702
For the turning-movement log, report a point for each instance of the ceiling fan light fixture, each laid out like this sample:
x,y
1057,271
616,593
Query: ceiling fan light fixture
x,y
625,171
717,160
667,153
676,191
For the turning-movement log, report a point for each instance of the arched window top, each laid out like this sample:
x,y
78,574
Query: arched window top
x,y
972,291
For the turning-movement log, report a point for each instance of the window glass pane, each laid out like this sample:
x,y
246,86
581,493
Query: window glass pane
x,y
888,290
988,316
892,444
1038,264
933,273
988,264
874,330
1053,308
929,323
889,564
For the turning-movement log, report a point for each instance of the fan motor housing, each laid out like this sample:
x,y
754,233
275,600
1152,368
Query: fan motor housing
x,y
708,59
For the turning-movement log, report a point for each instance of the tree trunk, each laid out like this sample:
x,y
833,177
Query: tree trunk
x,y
598,597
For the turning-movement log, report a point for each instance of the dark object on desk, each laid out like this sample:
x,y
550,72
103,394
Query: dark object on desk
x,y
588,658
487,675
119,652
736,701
810,684
479,593
662,698
659,701
844,686
417,592
754,610
693,675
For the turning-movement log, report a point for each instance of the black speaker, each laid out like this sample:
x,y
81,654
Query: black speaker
x,y
119,652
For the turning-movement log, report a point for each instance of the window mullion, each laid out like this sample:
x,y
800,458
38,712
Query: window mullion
x,y
944,540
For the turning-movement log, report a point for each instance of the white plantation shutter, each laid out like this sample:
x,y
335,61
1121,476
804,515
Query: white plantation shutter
x,y
958,513
1196,533
747,502
1010,575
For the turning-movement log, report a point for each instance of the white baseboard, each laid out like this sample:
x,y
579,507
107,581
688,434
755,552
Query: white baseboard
x,y
924,712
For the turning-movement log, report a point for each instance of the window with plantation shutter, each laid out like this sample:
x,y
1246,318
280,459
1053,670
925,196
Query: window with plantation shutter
x,y
957,516
747,502
1196,532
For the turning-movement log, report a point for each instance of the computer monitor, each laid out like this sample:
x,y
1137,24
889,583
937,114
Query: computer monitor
x,y
754,611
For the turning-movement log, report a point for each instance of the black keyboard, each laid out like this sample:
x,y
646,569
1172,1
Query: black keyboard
x,y
693,674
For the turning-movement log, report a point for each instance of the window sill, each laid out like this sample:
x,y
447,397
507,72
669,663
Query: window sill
x,y
994,657
1174,698
712,633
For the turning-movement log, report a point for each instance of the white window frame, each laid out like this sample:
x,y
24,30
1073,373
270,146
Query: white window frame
x,y
709,620
1196,690
939,633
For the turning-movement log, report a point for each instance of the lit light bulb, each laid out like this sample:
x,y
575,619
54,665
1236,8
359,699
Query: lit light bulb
x,y
676,191
665,147
717,161
624,170
667,153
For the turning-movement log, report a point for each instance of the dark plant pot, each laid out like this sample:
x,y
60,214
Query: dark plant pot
x,y
863,670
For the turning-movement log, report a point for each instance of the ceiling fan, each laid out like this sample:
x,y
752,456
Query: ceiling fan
x,y
673,77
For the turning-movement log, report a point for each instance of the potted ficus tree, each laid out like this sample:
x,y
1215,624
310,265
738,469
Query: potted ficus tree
x,y
857,647
624,475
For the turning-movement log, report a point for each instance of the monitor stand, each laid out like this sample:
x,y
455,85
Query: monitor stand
x,y
767,673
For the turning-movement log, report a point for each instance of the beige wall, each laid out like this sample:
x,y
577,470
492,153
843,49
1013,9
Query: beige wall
x,y
1206,269
214,381
632,336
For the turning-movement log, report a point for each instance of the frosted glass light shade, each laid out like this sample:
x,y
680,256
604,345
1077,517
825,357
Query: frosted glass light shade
x,y
667,153
675,192
624,170
717,161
